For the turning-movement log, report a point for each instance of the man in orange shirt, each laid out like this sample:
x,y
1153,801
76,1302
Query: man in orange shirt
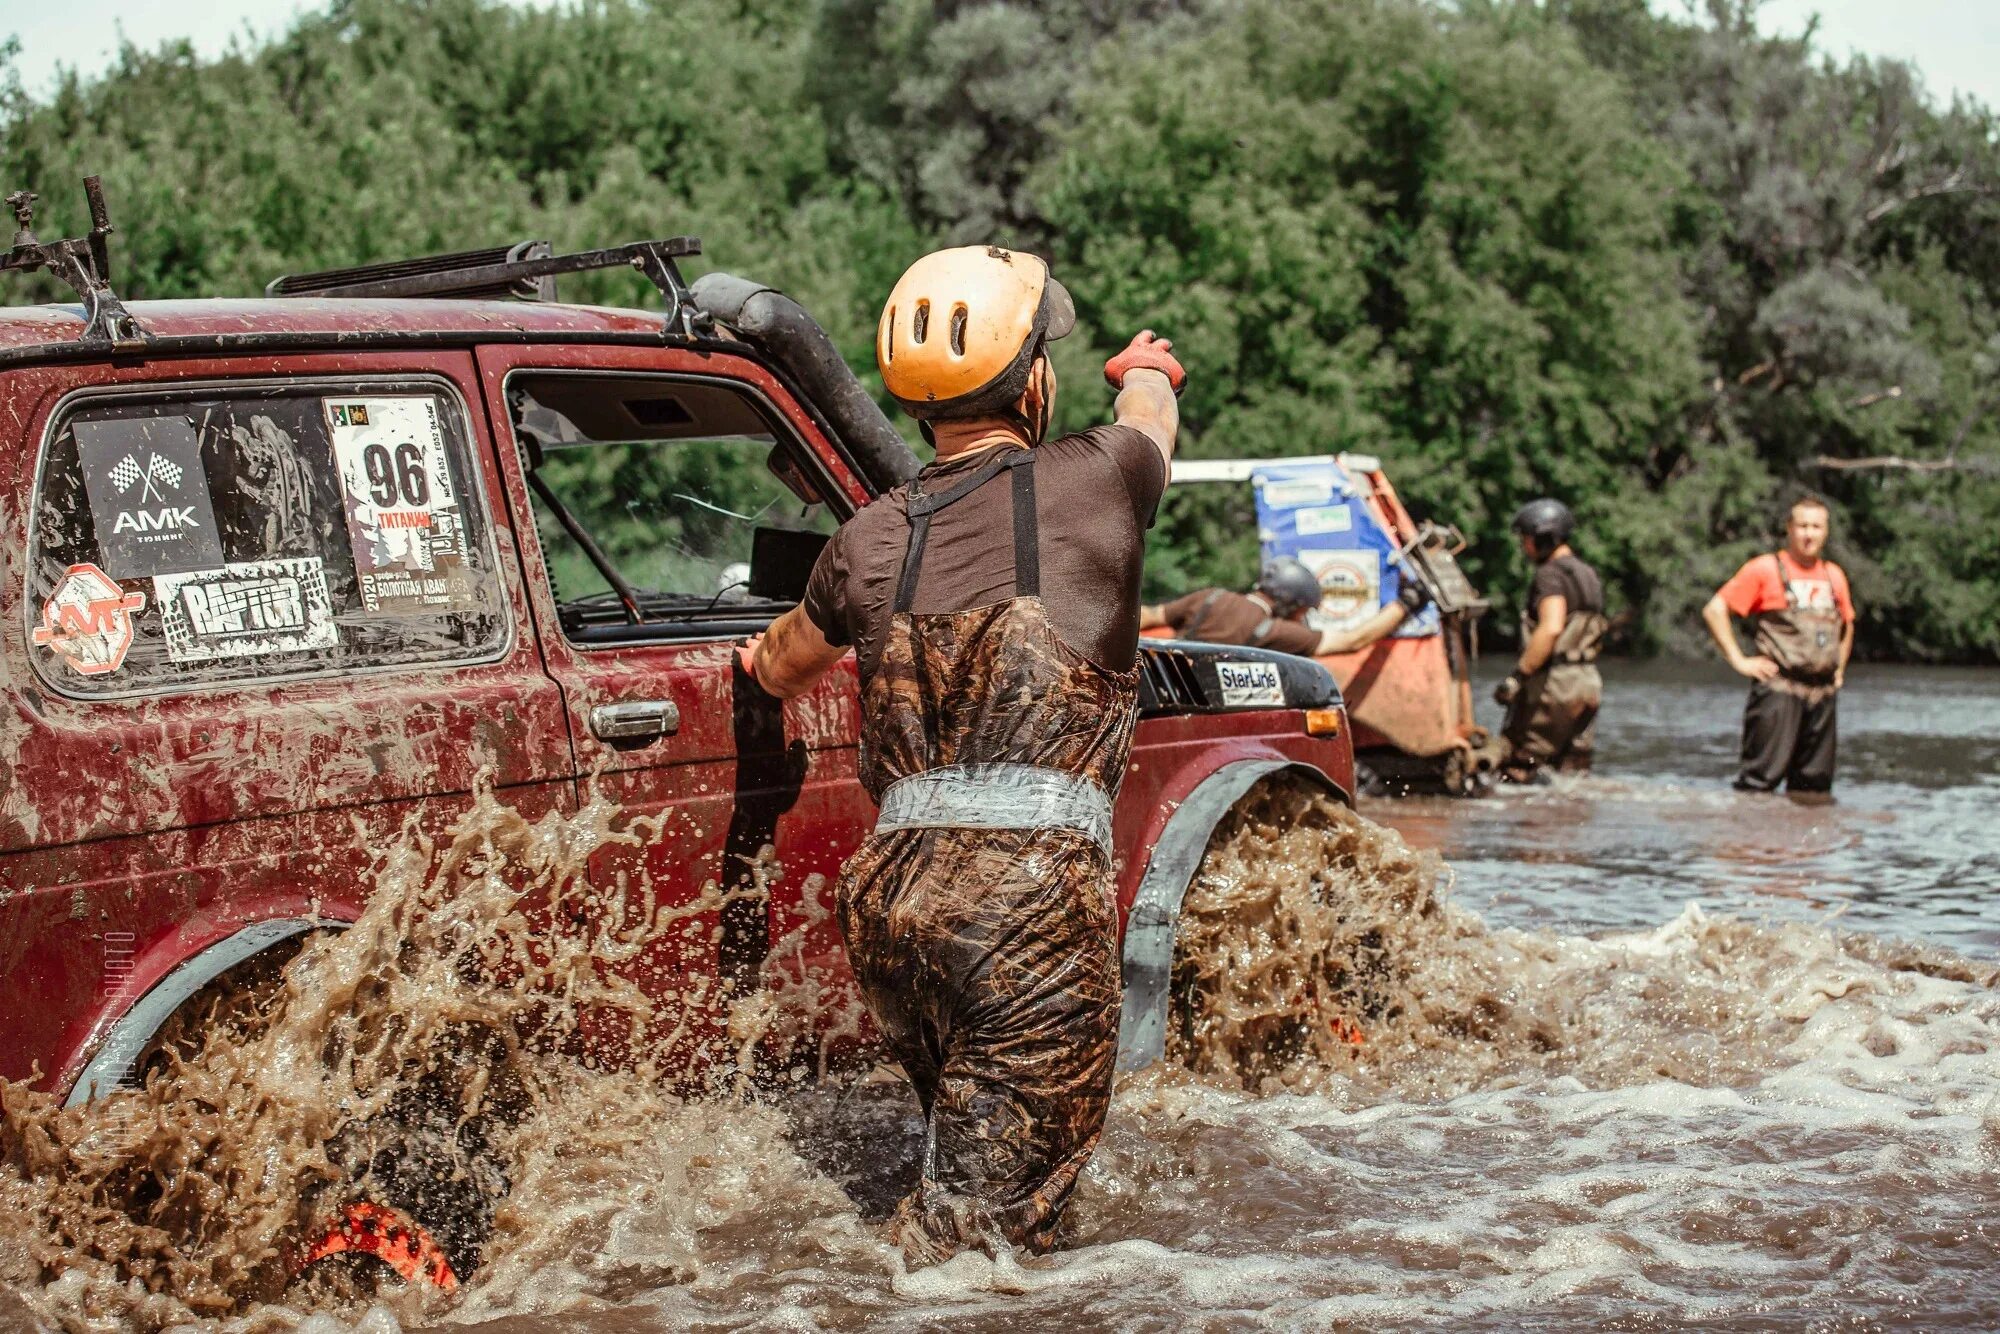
x,y
1802,622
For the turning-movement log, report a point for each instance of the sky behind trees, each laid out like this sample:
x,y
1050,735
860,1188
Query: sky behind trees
x,y
1956,43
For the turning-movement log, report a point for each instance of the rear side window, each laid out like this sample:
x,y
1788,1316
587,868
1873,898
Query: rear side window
x,y
248,532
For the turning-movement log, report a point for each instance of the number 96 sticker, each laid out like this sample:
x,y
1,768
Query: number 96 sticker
x,y
403,516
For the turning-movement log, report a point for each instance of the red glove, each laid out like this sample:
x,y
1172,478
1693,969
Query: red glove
x,y
1145,352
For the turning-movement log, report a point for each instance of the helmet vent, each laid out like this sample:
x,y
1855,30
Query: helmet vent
x,y
889,337
958,318
920,327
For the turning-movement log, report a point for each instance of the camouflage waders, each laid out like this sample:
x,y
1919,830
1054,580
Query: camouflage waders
x,y
1553,721
979,914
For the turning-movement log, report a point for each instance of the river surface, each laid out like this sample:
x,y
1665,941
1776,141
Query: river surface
x,y
1663,1056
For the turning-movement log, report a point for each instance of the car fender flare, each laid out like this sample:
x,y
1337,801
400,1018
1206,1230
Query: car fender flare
x,y
136,1027
1156,907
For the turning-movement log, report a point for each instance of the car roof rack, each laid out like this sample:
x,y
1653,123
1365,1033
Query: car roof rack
x,y
83,263
526,270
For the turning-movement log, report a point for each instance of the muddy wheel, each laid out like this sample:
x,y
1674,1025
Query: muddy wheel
x,y
416,1183
1283,956
419,1181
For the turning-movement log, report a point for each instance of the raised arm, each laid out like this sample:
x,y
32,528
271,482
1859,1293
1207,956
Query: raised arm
x,y
1147,378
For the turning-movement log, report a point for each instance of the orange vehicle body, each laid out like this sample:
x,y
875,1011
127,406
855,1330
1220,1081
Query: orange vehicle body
x,y
1411,695
1409,698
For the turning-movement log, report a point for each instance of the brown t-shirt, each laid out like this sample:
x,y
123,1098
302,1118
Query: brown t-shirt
x,y
1232,618
1570,579
1095,493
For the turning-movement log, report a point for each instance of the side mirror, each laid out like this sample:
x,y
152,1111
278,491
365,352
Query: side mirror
x,y
781,561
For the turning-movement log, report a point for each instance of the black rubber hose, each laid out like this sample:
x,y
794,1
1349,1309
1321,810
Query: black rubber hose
x,y
780,328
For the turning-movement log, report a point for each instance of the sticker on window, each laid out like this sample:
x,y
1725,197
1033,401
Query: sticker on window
x,y
1350,582
1250,684
248,608
403,517
1293,492
148,496
1327,519
87,621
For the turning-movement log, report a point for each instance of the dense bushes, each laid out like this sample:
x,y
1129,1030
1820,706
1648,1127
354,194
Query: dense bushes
x,y
1665,271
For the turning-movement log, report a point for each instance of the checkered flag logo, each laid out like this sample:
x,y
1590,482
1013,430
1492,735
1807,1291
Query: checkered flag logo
x,y
127,473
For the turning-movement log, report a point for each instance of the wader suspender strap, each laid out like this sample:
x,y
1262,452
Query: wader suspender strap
x,y
1784,581
1027,532
1192,630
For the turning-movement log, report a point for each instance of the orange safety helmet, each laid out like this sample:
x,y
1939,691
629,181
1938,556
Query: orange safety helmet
x,y
963,327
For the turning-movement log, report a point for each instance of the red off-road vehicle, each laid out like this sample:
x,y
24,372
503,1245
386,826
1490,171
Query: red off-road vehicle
x,y
282,576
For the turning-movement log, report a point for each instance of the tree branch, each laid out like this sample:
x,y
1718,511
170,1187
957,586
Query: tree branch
x,y
1954,184
1896,463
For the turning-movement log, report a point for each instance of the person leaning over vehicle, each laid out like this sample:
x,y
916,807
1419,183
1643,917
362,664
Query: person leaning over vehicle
x,y
993,606
1553,695
1273,614
1802,622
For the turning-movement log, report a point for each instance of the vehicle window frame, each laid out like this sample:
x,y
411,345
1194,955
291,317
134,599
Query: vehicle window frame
x,y
311,386
784,435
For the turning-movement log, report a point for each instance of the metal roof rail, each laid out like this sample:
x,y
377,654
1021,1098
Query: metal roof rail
x,y
444,273
526,270
83,263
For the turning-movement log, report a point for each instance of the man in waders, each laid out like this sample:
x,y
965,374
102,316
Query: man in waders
x,y
1273,616
1554,692
993,607
1802,621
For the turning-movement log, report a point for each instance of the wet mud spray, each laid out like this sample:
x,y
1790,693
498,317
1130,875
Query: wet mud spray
x,y
1376,1110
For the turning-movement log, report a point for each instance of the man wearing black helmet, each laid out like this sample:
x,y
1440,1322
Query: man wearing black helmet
x,y
1552,697
1273,615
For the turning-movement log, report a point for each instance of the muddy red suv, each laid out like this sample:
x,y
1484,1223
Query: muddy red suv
x,y
282,579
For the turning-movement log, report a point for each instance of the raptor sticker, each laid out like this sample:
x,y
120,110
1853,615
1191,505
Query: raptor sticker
x,y
403,516
87,621
148,496
245,609
1250,684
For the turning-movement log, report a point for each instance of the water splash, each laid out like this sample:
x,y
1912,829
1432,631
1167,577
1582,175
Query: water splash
x,y
1703,1119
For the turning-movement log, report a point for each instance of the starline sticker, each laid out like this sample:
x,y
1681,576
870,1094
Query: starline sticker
x,y
403,516
87,621
246,609
1249,684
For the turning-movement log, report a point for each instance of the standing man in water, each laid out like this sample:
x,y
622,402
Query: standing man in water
x,y
1553,695
1273,615
1802,623
993,606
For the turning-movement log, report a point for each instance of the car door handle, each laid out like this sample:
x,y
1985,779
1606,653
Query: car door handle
x,y
635,719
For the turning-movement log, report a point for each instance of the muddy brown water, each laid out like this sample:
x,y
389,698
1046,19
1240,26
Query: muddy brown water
x,y
1635,1052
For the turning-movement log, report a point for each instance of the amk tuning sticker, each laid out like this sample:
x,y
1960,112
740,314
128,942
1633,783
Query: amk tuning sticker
x,y
148,496
248,608
403,517
87,621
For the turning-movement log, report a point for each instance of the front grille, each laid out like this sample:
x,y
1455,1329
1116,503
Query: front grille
x,y
1168,682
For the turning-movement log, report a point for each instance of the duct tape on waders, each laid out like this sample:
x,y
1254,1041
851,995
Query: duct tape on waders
x,y
997,796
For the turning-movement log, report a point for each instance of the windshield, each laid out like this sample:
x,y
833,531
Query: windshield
x,y
649,495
